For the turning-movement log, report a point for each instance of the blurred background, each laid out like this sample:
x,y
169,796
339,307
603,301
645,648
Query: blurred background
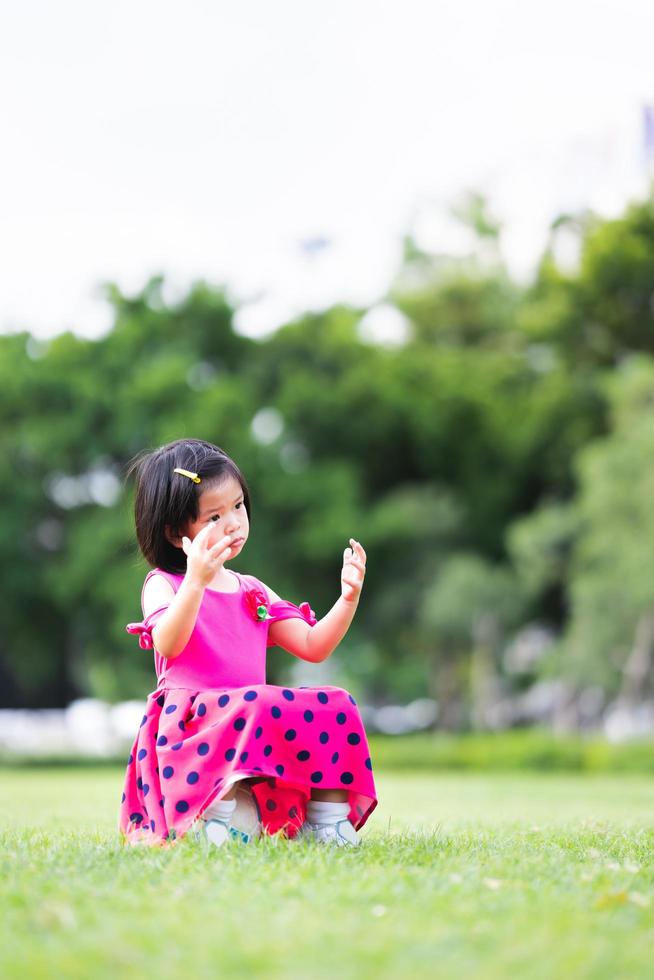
x,y
398,260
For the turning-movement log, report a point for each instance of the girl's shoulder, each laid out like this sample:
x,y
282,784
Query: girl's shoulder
x,y
158,589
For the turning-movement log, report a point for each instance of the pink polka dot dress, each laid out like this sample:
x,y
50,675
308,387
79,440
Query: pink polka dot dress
x,y
213,720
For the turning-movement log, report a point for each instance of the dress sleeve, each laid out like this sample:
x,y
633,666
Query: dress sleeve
x,y
144,629
277,611
259,606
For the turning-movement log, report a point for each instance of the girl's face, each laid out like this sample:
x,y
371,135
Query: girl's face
x,y
223,504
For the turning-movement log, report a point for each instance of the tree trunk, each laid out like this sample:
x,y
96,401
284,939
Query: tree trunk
x,y
638,669
446,689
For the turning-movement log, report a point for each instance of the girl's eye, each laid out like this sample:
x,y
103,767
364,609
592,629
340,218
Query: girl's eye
x,y
239,505
215,518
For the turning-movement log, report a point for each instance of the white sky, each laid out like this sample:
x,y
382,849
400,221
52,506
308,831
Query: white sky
x,y
210,139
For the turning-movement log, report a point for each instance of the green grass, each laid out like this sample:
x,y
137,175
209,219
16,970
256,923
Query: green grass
x,y
487,876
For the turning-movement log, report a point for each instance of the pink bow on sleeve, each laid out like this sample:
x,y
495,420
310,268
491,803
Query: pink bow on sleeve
x,y
144,634
144,630
308,613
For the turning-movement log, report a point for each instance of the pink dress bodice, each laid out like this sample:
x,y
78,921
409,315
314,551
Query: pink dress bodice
x,y
227,647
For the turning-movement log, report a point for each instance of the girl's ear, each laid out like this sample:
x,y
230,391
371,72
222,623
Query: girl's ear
x,y
172,538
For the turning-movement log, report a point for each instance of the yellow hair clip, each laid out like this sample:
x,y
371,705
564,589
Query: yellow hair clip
x,y
191,476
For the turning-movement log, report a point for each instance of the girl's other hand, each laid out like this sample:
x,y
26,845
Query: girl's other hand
x,y
205,554
353,573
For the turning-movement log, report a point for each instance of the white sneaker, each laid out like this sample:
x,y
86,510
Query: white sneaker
x,y
219,832
340,834
246,818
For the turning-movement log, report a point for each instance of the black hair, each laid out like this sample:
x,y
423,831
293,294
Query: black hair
x,y
168,500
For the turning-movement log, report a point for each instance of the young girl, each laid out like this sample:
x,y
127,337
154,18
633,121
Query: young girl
x,y
215,739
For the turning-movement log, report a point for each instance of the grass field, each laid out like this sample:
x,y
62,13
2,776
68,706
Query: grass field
x,y
472,875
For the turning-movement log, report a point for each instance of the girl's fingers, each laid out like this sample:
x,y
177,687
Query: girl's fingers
x,y
354,563
215,558
186,545
224,544
202,535
359,550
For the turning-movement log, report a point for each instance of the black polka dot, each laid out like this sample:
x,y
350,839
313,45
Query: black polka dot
x,y
293,812
353,738
157,770
303,755
161,801
171,708
290,734
139,783
229,754
239,724
276,712
181,806
316,777
193,697
341,717
347,778
161,699
244,756
130,760
122,799
203,748
202,710
181,726
368,763
267,750
279,770
322,697
152,825
335,757
192,778
146,789
168,772
145,718
259,732
351,699
308,715
177,746
223,700
288,695
162,740
324,737
257,769
142,754
271,805
136,817
250,696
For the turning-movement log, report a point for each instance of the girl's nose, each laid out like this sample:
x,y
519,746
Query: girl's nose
x,y
231,523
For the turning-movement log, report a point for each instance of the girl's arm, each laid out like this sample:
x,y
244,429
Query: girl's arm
x,y
316,643
173,629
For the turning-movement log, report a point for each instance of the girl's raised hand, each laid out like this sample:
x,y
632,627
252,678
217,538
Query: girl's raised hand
x,y
353,572
205,554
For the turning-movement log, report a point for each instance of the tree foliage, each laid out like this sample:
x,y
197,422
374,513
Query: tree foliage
x,y
495,465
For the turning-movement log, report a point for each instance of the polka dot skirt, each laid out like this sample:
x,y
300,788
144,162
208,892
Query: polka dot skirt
x,y
193,745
